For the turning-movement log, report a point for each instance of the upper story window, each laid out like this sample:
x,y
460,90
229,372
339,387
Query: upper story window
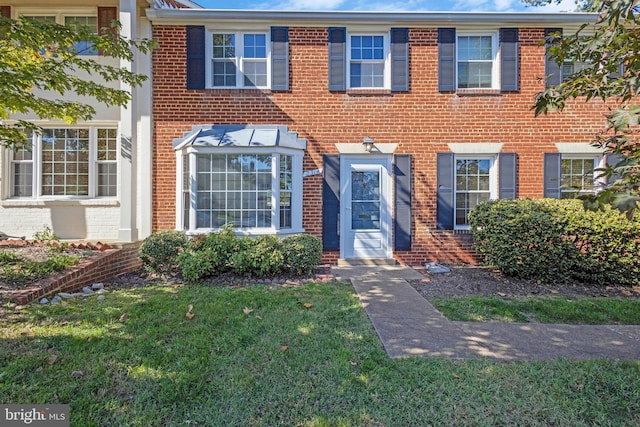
x,y
240,60
67,162
476,57
73,19
367,61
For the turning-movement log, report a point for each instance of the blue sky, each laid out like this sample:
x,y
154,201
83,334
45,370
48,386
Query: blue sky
x,y
387,5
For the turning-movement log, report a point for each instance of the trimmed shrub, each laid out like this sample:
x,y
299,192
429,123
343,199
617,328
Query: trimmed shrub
x,y
196,265
302,253
524,238
158,252
609,245
557,241
259,257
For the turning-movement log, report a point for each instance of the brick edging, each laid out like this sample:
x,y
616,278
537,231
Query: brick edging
x,y
95,268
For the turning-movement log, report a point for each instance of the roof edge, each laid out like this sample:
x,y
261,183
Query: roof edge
x,y
190,16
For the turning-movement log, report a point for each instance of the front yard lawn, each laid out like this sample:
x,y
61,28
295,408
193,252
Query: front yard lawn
x,y
263,355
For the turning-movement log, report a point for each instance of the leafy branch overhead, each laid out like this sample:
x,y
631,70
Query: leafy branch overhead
x,y
610,53
44,65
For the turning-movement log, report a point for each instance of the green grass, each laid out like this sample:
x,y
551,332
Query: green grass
x,y
590,311
303,356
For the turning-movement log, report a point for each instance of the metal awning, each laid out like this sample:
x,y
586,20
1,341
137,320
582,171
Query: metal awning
x,y
240,136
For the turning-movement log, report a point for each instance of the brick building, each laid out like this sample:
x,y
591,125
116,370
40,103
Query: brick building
x,y
378,132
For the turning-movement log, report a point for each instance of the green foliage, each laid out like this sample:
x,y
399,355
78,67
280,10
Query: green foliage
x,y
44,56
614,40
21,271
302,253
263,256
557,241
45,236
258,257
196,265
524,238
7,257
158,253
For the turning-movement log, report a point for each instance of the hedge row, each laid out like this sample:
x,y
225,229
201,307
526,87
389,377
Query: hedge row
x,y
168,252
557,241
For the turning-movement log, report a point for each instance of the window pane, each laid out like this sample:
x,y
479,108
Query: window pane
x,y
224,46
239,192
472,186
224,73
88,22
255,46
65,162
255,74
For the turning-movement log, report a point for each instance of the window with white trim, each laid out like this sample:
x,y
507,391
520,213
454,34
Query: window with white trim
x,y
578,175
474,183
369,61
67,163
477,65
74,20
240,60
254,190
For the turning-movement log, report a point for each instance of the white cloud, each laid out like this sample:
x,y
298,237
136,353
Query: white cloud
x,y
564,6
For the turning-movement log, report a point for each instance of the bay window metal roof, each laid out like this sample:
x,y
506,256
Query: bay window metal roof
x,y
240,136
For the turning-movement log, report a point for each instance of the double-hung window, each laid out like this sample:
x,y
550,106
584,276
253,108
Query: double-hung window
x,y
240,60
67,163
578,176
474,183
74,19
368,61
477,65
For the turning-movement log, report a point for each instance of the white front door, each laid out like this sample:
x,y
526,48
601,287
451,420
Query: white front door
x,y
365,206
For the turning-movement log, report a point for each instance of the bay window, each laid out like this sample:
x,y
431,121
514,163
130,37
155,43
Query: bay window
x,y
246,177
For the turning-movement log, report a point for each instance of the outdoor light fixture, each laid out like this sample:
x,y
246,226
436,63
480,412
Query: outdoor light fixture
x,y
368,143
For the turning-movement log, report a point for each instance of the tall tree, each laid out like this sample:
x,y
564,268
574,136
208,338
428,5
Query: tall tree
x,y
42,64
610,50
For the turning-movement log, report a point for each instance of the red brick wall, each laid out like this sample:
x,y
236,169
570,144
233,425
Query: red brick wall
x,y
421,120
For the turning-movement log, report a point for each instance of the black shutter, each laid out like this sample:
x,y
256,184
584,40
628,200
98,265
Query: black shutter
x,y
552,71
337,58
445,193
279,58
106,15
509,59
195,57
331,202
402,190
507,182
446,59
552,175
400,59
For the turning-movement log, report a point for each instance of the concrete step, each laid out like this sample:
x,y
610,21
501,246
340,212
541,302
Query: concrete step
x,y
351,262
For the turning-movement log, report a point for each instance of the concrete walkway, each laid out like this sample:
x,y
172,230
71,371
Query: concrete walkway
x,y
408,325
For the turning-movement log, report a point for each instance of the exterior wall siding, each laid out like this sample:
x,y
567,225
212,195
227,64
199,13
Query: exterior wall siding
x,y
422,121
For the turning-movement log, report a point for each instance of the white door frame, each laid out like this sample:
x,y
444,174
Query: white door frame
x,y
384,163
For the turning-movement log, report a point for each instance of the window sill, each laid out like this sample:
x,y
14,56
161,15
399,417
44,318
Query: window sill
x,y
369,92
250,232
251,90
45,203
478,92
